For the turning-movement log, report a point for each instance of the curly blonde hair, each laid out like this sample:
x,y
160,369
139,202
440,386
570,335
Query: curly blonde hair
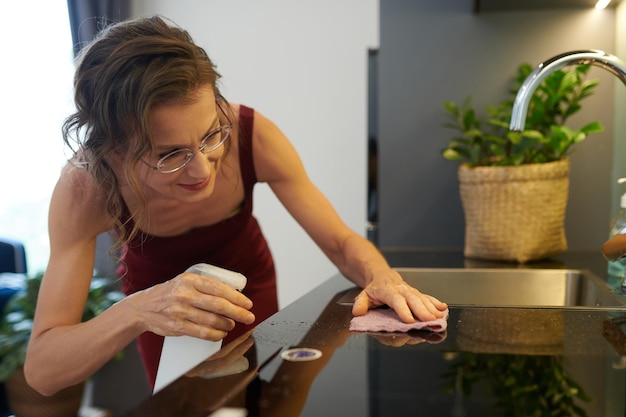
x,y
129,68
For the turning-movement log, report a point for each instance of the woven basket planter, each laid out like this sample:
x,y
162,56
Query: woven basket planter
x,y
511,331
515,213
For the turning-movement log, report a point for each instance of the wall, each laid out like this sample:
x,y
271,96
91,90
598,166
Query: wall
x,y
436,51
303,64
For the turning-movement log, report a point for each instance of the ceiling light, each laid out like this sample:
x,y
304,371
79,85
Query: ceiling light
x,y
601,4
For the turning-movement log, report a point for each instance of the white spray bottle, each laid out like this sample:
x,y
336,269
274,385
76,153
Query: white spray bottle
x,y
182,353
618,226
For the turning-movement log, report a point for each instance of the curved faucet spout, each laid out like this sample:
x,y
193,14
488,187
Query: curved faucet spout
x,y
593,57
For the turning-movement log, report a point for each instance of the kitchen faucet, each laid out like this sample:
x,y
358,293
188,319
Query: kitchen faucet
x,y
615,248
601,59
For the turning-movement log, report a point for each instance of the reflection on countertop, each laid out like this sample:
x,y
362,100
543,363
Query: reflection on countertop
x,y
490,362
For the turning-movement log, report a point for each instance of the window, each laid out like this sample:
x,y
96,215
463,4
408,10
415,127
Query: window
x,y
36,72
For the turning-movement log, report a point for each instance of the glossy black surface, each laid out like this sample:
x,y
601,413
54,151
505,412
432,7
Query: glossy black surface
x,y
490,352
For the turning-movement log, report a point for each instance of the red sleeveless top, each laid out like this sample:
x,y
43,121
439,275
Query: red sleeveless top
x,y
236,243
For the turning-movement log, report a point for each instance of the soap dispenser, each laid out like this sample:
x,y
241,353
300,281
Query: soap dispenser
x,y
618,226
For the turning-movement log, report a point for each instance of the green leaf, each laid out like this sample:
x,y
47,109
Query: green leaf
x,y
451,107
473,133
569,80
578,137
452,155
593,127
533,135
588,87
469,120
573,108
514,137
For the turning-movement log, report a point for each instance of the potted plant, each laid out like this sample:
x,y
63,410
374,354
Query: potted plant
x,y
514,185
15,330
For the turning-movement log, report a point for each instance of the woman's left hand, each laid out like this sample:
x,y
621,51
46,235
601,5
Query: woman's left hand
x,y
408,302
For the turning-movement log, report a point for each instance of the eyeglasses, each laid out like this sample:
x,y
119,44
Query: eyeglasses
x,y
179,158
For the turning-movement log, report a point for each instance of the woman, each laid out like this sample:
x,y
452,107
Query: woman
x,y
164,161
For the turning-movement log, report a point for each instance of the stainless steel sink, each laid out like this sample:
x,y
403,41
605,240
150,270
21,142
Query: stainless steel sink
x,y
545,288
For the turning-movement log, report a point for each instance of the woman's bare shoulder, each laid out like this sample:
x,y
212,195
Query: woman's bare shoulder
x,y
78,194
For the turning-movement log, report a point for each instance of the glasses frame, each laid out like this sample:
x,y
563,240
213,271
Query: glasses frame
x,y
225,129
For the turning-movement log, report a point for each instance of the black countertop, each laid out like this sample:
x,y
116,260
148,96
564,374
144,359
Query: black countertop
x,y
489,360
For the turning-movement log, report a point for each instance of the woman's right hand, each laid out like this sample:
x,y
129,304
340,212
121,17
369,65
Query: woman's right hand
x,y
222,361
192,305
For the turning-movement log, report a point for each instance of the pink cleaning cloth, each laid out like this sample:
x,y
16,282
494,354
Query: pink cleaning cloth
x,y
386,320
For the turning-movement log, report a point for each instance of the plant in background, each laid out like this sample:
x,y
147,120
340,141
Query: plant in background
x,y
546,138
17,320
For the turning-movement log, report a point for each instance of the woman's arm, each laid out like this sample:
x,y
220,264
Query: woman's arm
x,y
278,164
62,350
